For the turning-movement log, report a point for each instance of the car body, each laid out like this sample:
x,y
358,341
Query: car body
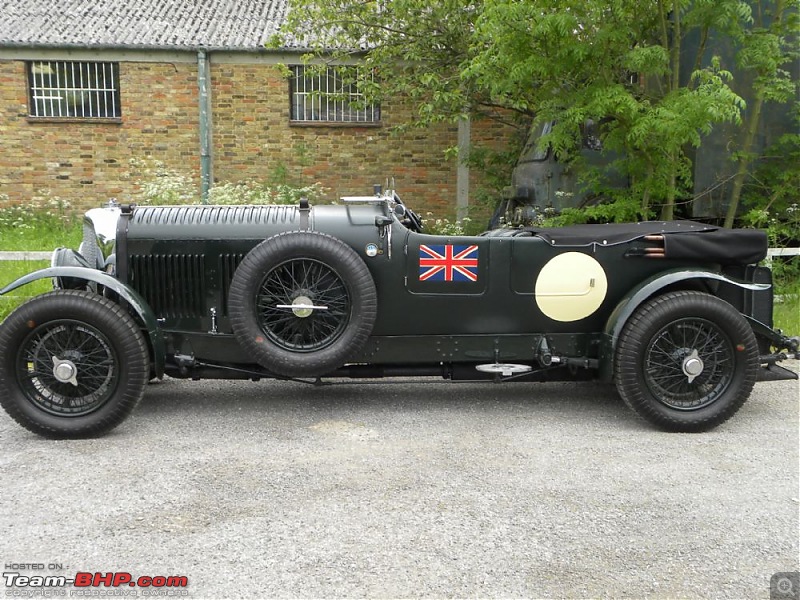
x,y
676,314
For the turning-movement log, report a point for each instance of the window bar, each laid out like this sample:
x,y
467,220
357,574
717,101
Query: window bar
x,y
88,88
63,97
293,95
47,102
102,95
52,91
319,97
301,96
307,98
74,91
106,91
115,113
349,100
300,101
34,90
97,90
86,69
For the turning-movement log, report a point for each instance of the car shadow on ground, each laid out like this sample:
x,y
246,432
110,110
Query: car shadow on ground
x,y
567,402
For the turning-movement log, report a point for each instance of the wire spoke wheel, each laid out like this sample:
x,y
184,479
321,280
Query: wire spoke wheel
x,y
302,303
689,364
302,283
67,368
686,361
72,364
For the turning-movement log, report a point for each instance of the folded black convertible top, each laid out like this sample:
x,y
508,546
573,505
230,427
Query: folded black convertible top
x,y
682,239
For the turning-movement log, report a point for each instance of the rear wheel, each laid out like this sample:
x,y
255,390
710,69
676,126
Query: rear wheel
x,y
72,364
686,361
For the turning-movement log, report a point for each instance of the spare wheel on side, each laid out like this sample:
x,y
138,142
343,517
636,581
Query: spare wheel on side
x,y
301,303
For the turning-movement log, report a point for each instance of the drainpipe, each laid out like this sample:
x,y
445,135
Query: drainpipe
x,y
206,156
462,174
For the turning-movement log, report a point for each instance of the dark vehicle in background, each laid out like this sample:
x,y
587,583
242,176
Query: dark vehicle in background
x,y
676,314
541,182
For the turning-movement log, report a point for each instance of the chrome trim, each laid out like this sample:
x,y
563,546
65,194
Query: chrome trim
x,y
103,222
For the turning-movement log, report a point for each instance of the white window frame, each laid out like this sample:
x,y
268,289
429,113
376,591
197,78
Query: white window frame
x,y
319,95
61,89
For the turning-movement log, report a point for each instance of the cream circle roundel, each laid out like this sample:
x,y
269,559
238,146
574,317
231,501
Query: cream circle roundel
x,y
570,287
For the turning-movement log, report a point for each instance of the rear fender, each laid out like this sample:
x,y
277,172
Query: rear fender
x,y
643,292
138,304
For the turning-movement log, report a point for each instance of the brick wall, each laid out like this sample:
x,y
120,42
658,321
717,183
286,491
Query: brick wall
x,y
87,163
254,138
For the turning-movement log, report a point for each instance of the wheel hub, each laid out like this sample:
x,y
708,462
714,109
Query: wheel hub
x,y
302,307
65,371
692,366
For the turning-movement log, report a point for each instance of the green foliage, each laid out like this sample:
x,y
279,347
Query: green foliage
x,y
775,182
782,225
625,209
37,224
161,185
444,226
417,50
251,192
566,61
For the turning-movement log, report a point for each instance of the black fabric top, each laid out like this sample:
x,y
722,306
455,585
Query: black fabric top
x,y
613,233
725,246
683,240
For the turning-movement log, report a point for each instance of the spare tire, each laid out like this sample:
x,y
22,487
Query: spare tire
x,y
302,303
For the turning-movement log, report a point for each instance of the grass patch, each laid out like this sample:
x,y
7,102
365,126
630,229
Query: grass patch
x,y
786,310
787,317
42,223
11,270
42,237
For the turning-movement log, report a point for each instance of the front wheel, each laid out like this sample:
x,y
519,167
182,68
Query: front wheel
x,y
72,364
686,361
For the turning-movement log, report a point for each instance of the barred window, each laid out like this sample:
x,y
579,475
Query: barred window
x,y
329,96
69,89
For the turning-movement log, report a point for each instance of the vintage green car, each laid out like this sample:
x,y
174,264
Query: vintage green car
x,y
676,314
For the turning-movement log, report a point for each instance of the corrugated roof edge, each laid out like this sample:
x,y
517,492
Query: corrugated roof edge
x,y
149,48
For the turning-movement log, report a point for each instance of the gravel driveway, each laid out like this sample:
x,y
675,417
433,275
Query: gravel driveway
x,y
277,489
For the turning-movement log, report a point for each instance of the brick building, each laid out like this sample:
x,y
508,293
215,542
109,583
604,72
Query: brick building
x,y
90,88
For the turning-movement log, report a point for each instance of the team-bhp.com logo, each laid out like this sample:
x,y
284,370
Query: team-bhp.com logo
x,y
156,583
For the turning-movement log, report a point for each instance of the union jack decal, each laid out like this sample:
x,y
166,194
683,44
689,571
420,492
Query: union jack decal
x,y
448,263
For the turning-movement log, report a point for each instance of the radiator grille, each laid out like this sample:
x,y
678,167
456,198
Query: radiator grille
x,y
172,284
228,263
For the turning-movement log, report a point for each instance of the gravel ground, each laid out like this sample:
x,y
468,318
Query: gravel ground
x,y
411,490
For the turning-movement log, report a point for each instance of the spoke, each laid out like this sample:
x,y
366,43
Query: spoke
x,y
291,280
673,344
79,343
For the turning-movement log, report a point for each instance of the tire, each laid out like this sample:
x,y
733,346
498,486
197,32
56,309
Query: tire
x,y
686,361
307,268
72,364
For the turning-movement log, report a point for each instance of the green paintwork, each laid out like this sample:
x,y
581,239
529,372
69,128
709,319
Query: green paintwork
x,y
175,265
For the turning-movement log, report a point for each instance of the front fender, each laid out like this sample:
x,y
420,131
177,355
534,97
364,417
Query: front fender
x,y
647,289
130,296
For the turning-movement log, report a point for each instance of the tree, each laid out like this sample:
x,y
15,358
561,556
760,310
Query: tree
x,y
766,49
419,50
619,62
